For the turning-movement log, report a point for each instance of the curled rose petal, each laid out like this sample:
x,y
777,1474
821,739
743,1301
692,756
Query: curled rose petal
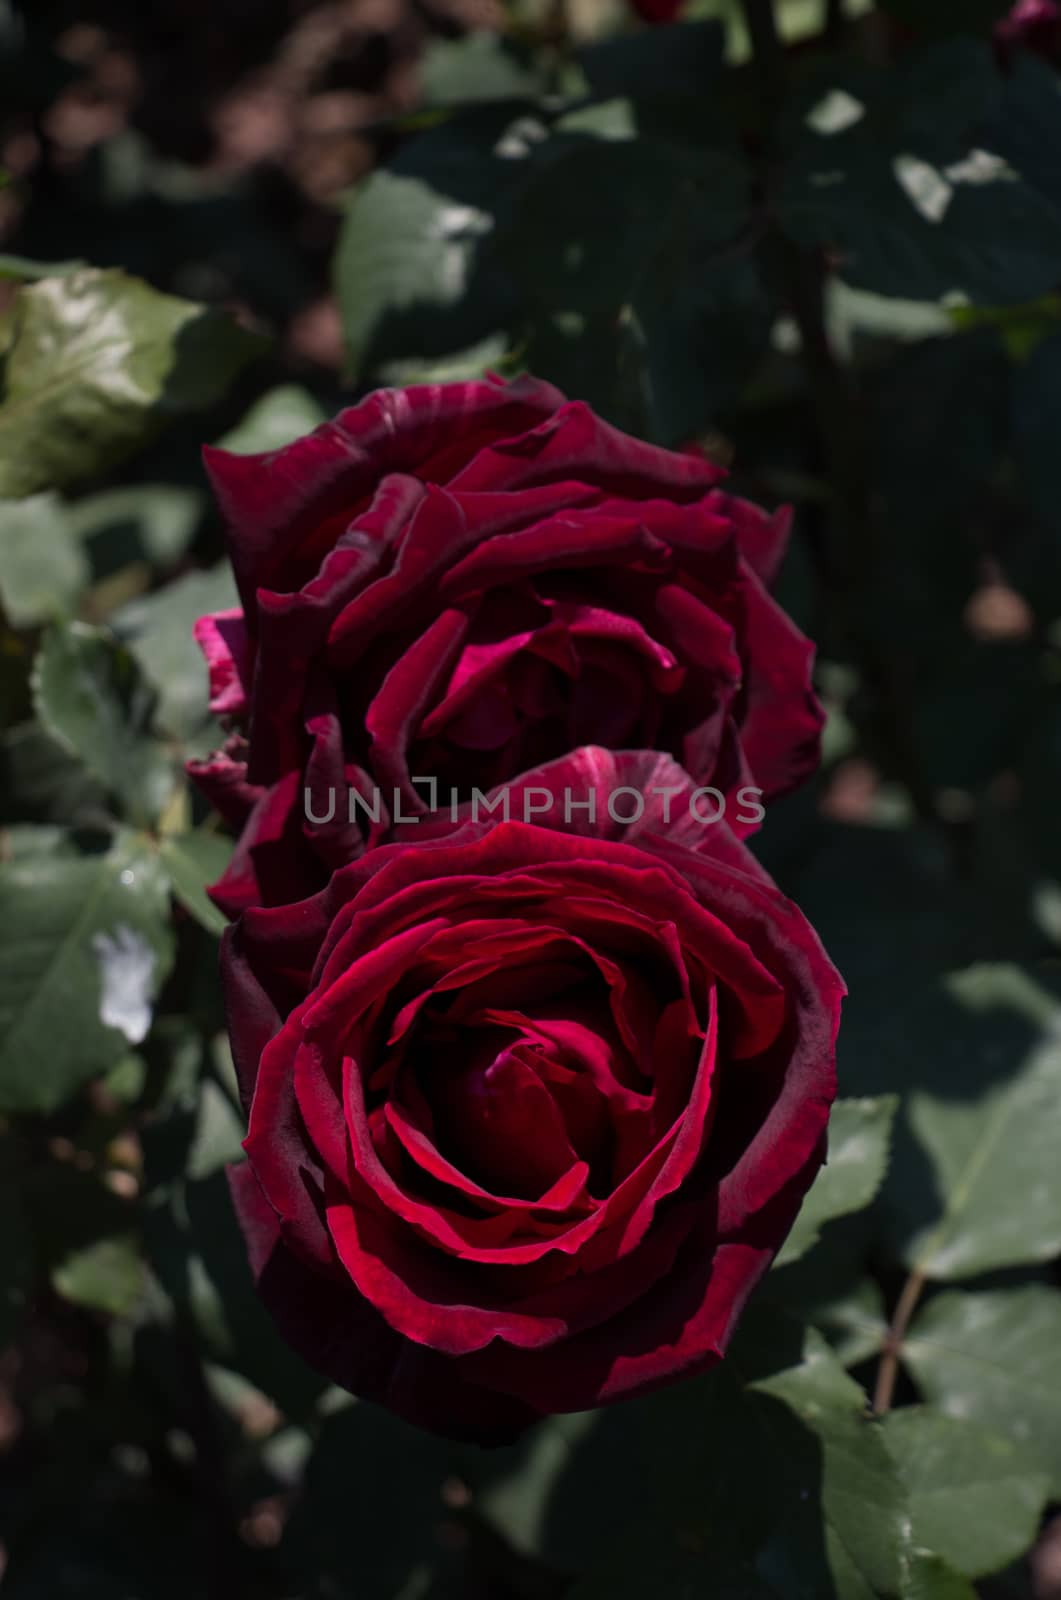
x,y
532,1105
463,581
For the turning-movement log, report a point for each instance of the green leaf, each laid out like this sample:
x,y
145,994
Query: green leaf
x,y
407,255
281,415
635,267
218,1134
42,567
830,1287
995,1356
766,1478
91,697
926,1577
30,840
862,1503
21,269
97,362
126,1079
1021,328
200,1257
153,522
706,316
854,1322
479,66
996,241
670,60
859,1131
1023,127
854,313
522,1486
976,1498
592,217
193,1240
990,1124
158,631
462,366
373,1542
194,860
85,946
40,782
105,1276
907,196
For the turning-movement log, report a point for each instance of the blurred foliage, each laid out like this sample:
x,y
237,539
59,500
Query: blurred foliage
x,y
830,257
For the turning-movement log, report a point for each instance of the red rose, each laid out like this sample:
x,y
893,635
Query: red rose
x,y
1031,25
463,581
531,1109
658,11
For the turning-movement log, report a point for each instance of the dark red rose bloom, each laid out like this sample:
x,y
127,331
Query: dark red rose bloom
x,y
1031,25
462,581
531,1108
656,11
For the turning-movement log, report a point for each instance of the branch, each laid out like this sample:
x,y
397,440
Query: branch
x,y
888,1371
768,53
833,28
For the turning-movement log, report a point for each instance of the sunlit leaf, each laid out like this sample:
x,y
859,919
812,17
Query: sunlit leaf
x,y
97,362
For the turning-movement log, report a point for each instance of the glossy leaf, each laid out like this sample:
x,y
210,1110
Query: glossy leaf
x,y
927,1577
863,1506
194,860
42,566
97,362
105,1276
22,270
281,415
408,266
479,66
86,945
158,632
148,522
996,1356
992,1139
976,1498
859,1132
906,196
91,697
767,1478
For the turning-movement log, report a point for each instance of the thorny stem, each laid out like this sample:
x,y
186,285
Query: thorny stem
x,y
859,543
888,1370
768,53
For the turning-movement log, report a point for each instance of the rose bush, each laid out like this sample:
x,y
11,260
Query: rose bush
x,y
531,1108
463,581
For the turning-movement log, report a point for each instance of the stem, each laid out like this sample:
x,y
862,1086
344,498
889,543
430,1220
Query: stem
x,y
227,1578
768,53
888,1370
